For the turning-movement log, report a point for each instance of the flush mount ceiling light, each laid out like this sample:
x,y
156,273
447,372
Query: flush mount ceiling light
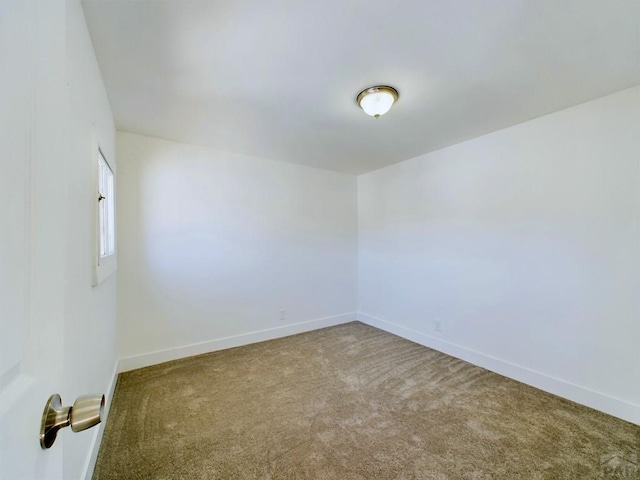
x,y
376,101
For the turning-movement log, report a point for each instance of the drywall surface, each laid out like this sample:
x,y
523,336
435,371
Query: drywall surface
x,y
520,247
214,245
90,312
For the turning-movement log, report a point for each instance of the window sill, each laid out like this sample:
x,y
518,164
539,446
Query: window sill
x,y
107,266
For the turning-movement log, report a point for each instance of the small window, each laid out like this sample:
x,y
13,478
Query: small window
x,y
105,221
106,209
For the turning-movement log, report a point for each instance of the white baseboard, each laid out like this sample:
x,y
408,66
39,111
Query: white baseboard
x,y
153,358
90,463
585,396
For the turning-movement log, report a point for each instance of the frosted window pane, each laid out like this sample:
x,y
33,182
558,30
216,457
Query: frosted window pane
x,y
106,208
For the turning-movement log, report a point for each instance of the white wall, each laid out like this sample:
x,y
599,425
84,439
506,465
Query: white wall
x,y
213,245
524,245
90,312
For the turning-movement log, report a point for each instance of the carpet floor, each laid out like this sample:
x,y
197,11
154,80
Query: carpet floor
x,y
351,402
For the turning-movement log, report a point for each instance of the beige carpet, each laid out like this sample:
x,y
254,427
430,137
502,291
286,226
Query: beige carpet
x,y
351,402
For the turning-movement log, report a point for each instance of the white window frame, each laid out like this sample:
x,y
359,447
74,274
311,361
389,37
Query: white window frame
x,y
105,210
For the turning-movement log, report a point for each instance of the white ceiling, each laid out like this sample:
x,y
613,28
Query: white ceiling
x,y
278,80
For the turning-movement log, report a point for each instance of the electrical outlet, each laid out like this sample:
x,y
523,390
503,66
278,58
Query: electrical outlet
x,y
438,326
283,315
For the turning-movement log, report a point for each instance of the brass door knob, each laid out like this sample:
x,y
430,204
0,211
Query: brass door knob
x,y
86,412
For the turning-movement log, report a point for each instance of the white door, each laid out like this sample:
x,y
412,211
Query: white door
x,y
33,105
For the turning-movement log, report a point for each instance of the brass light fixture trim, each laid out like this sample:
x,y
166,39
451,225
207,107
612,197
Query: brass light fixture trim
x,y
378,89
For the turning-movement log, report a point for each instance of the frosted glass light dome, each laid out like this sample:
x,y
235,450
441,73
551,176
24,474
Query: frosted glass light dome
x,y
376,101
